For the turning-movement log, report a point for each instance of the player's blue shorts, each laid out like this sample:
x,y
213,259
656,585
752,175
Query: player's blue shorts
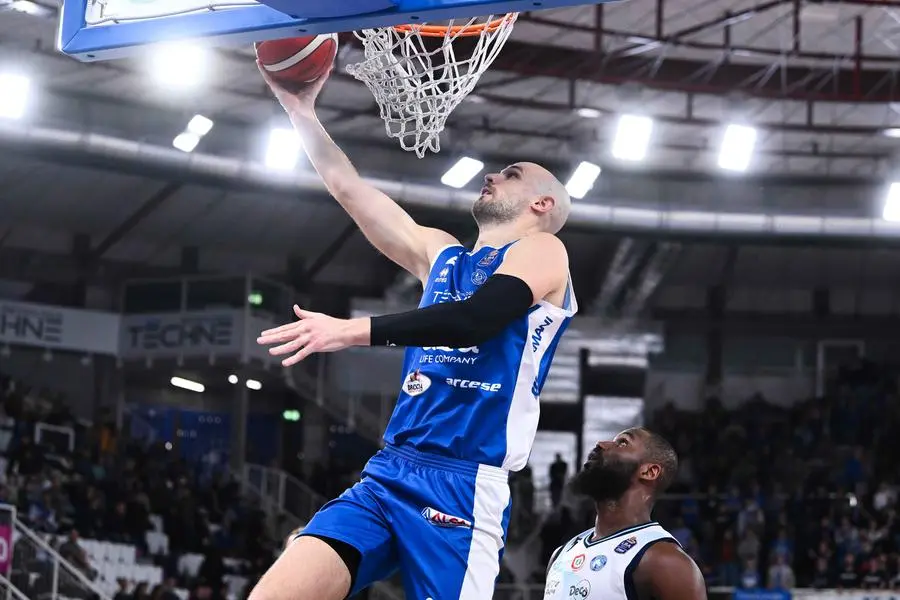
x,y
441,522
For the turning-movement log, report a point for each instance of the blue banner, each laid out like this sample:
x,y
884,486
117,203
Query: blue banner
x,y
761,594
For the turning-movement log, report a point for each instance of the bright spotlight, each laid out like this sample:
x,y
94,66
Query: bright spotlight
x,y
200,125
462,172
178,65
582,180
233,379
892,203
586,112
632,138
283,150
14,93
186,141
737,147
187,384
253,384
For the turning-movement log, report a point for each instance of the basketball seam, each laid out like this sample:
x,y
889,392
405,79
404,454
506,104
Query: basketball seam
x,y
293,60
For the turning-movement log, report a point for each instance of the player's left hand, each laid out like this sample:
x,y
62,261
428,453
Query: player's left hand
x,y
313,332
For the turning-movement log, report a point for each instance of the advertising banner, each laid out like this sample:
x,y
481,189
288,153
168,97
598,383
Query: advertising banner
x,y
204,333
59,328
7,522
760,594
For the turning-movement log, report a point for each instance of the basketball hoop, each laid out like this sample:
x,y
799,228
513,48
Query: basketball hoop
x,y
416,78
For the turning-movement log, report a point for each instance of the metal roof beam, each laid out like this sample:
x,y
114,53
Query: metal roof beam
x,y
133,220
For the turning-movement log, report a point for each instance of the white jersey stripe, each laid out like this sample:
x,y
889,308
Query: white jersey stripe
x,y
491,499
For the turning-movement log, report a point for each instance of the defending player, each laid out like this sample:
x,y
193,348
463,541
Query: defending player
x,y
626,556
435,502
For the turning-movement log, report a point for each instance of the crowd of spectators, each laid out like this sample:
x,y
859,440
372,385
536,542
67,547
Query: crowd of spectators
x,y
776,496
109,486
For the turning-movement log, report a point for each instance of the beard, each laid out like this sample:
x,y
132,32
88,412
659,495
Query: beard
x,y
494,211
604,478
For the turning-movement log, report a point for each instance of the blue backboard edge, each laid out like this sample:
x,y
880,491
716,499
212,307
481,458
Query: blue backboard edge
x,y
236,26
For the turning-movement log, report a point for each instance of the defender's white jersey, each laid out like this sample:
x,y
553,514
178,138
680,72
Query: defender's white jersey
x,y
601,569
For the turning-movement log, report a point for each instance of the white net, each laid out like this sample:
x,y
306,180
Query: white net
x,y
417,78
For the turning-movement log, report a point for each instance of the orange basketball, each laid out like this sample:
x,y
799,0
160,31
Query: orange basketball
x,y
295,62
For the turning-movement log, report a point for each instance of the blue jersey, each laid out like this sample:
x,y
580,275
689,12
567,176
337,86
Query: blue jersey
x,y
478,404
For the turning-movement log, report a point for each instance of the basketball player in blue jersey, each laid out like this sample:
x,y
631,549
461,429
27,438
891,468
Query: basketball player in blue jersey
x,y
434,503
626,555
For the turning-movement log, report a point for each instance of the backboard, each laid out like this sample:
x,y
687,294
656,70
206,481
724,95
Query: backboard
x,y
104,29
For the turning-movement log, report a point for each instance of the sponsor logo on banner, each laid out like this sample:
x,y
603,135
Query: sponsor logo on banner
x,y
5,549
626,545
30,324
181,332
436,517
416,383
761,594
580,590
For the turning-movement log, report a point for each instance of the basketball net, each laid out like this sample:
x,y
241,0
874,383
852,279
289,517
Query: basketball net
x,y
417,79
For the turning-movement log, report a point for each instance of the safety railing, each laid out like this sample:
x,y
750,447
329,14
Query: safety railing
x,y
41,573
10,592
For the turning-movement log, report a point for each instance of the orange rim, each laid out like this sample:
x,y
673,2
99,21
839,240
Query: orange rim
x,y
456,30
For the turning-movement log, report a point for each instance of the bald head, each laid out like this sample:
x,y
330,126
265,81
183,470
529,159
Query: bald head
x,y
523,190
545,184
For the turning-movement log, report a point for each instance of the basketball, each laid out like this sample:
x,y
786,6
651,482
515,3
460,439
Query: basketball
x,y
295,62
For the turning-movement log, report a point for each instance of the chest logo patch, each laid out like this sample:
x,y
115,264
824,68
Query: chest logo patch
x,y
416,383
489,258
598,562
578,562
479,277
626,545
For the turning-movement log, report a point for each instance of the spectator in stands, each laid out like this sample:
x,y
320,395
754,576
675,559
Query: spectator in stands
x,y
821,577
781,575
558,472
848,577
72,551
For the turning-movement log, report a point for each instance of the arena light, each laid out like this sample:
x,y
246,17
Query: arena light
x,y
892,203
187,384
253,384
233,379
199,125
582,180
178,65
892,132
586,112
186,141
462,172
30,8
632,137
14,92
283,150
737,147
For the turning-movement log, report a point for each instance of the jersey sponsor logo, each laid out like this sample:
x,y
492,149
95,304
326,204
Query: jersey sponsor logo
x,y
442,275
489,258
436,517
578,562
443,354
580,590
598,562
479,277
551,587
416,383
626,545
451,261
468,384
442,297
538,334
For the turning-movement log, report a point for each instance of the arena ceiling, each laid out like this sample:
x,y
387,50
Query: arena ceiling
x,y
818,80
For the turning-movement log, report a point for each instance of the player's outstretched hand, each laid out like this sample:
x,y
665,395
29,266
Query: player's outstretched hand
x,y
314,332
304,100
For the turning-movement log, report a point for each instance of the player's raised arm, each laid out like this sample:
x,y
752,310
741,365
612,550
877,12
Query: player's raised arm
x,y
667,573
384,223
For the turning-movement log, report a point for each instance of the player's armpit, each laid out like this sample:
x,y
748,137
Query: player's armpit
x,y
665,572
541,261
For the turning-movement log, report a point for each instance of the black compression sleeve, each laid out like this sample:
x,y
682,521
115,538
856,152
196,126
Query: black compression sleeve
x,y
463,324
